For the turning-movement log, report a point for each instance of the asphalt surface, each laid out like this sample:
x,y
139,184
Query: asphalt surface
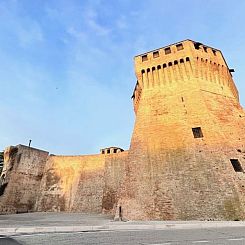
x,y
8,241
41,219
235,236
76,228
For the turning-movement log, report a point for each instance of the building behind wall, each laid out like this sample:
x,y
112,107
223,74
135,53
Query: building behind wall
x,y
186,157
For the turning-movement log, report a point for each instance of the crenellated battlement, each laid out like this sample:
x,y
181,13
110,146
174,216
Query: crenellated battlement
x,y
182,62
181,50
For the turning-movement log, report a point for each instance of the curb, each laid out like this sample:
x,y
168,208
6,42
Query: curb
x,y
8,231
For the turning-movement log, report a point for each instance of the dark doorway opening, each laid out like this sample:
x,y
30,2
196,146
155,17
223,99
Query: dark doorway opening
x,y
236,165
120,213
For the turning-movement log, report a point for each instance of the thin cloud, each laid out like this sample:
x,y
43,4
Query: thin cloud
x,y
26,30
30,33
72,31
121,23
91,20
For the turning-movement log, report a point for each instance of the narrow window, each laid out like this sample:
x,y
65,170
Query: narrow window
x,y
120,213
236,165
108,151
144,58
143,71
170,64
214,51
167,50
155,54
158,67
103,151
197,132
205,49
175,62
153,68
2,188
187,59
181,61
164,65
115,150
179,46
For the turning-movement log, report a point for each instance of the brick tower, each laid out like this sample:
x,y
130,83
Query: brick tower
x,y
187,152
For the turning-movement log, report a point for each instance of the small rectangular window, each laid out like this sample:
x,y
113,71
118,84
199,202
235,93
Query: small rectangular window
x,y
103,151
179,46
214,51
205,49
144,58
108,151
114,150
197,132
155,54
236,165
167,50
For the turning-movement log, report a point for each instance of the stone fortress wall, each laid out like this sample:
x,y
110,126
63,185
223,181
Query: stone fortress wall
x,y
33,180
20,179
186,157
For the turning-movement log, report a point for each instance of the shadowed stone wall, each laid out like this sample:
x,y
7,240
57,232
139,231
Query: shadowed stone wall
x,y
21,177
81,183
33,181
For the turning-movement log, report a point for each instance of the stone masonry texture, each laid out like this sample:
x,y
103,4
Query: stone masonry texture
x,y
186,159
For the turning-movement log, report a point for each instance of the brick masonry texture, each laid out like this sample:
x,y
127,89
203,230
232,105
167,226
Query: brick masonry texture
x,y
167,173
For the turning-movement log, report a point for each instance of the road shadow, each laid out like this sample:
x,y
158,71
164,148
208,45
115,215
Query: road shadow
x,y
8,241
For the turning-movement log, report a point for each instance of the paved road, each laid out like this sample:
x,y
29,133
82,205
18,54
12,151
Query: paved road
x,y
235,236
52,219
8,241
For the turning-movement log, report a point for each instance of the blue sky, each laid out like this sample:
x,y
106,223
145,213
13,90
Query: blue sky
x,y
66,67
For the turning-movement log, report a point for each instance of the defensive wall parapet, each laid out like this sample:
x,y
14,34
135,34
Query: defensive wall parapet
x,y
182,65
